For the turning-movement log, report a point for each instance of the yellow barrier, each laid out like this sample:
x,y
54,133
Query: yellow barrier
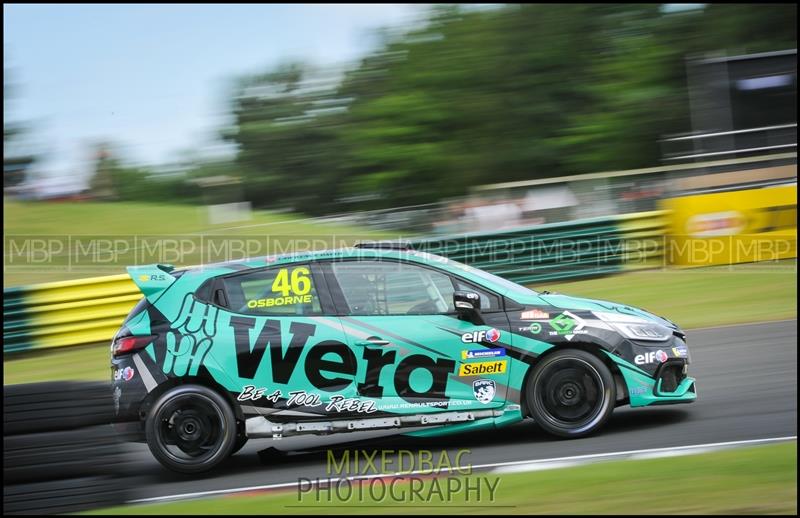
x,y
65,313
643,239
733,227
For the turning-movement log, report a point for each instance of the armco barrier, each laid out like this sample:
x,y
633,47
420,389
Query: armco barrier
x,y
91,310
66,313
558,251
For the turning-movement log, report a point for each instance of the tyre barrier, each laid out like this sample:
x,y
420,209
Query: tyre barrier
x,y
60,452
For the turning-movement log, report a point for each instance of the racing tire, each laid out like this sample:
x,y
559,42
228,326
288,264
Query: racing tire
x,y
37,457
570,393
191,429
55,405
65,496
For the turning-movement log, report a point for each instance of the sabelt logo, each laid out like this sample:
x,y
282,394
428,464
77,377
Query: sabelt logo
x,y
477,369
725,223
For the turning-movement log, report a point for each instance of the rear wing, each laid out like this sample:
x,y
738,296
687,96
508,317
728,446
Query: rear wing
x,y
152,279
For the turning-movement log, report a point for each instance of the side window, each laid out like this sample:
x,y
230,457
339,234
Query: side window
x,y
489,301
288,290
392,288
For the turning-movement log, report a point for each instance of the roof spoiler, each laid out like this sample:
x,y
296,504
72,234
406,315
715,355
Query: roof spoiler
x,y
384,245
152,279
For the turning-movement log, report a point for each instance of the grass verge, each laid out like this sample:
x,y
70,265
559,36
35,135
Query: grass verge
x,y
89,239
755,480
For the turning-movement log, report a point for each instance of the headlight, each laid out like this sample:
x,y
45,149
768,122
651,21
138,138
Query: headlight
x,y
634,327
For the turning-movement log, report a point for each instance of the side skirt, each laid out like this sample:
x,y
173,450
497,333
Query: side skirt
x,y
261,427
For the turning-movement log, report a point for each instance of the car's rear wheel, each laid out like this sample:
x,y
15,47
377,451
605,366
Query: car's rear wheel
x,y
570,393
191,429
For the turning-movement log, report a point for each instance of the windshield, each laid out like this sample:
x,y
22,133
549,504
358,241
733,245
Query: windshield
x,y
513,287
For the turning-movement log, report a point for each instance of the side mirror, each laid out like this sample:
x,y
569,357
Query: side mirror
x,y
468,306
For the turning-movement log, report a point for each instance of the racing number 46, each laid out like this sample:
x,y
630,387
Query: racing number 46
x,y
299,284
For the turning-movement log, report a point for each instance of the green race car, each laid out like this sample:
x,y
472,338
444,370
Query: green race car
x,y
375,338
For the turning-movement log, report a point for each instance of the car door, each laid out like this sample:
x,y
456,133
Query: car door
x,y
414,354
287,359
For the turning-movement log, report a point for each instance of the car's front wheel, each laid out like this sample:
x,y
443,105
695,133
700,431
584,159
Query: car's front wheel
x,y
570,393
191,429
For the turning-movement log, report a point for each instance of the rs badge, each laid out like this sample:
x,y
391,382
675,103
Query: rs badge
x,y
484,390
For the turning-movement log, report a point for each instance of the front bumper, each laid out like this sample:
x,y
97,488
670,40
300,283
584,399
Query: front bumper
x,y
653,380
663,388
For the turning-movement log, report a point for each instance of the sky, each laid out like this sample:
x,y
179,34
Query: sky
x,y
154,79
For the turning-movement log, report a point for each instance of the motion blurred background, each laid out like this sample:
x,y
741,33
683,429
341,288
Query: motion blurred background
x,y
324,110
637,152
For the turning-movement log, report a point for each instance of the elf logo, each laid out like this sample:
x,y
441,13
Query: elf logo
x,y
491,336
650,357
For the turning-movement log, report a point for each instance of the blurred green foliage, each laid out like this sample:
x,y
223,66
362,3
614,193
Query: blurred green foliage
x,y
476,96
16,161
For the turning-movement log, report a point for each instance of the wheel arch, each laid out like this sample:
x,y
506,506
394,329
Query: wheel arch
x,y
204,381
593,349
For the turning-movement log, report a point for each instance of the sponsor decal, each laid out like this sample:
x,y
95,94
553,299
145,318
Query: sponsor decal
x,y
476,369
638,391
534,314
646,358
337,403
154,277
680,352
125,374
279,301
290,288
724,223
484,390
536,328
340,403
567,325
491,336
482,353
330,365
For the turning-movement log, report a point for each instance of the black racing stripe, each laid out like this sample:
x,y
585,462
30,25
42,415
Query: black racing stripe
x,y
514,352
155,369
388,333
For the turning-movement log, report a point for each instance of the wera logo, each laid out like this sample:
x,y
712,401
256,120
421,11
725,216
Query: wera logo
x,y
331,365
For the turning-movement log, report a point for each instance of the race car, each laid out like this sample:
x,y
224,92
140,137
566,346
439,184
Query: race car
x,y
377,338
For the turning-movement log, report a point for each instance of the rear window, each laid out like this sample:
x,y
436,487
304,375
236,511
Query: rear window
x,y
287,290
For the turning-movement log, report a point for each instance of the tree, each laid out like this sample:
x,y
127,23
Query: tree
x,y
16,161
472,97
